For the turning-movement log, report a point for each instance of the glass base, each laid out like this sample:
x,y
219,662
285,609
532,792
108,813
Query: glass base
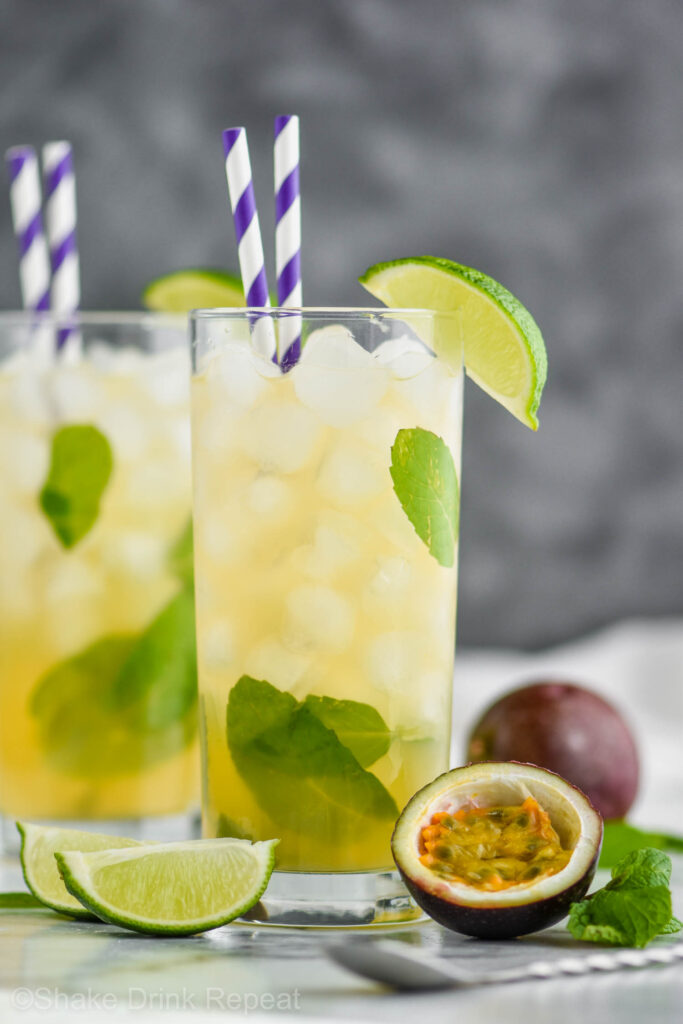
x,y
341,900
166,828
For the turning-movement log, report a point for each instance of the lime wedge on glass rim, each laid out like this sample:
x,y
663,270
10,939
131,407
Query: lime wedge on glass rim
x,y
183,290
170,888
504,351
38,846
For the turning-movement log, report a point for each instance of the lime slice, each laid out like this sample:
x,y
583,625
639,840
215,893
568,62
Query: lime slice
x,y
171,888
503,347
184,290
38,845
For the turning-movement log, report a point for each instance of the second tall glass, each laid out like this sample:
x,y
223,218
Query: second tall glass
x,y
326,513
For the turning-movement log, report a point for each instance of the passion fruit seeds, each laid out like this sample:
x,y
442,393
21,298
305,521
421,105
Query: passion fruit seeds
x,y
492,848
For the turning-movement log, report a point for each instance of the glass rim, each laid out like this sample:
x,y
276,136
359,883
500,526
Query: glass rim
x,y
350,312
97,318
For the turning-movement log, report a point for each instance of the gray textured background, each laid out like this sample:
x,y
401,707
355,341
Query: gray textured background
x,y
540,140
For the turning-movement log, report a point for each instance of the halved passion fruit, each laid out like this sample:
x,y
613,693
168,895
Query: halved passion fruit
x,y
497,849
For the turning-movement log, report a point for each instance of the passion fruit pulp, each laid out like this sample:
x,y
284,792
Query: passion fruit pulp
x,y
468,846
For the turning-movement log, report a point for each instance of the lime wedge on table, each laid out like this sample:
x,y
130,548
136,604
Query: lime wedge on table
x,y
503,347
184,290
38,845
171,888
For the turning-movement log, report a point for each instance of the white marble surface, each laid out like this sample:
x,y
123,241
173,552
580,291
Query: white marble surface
x,y
53,969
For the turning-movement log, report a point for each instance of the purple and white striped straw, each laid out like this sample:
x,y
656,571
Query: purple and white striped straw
x,y
60,220
25,200
248,233
288,234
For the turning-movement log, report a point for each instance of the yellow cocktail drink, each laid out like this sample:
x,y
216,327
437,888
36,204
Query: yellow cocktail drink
x,y
326,516
98,688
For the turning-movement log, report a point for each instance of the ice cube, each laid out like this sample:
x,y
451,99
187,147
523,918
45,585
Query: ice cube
x,y
166,377
395,659
24,461
394,525
220,538
317,616
404,357
25,535
333,550
435,398
156,484
280,436
279,665
337,378
128,430
27,397
351,474
137,553
178,430
72,579
379,431
217,645
77,392
238,376
270,498
391,585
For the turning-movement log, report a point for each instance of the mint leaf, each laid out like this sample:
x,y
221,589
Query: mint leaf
x,y
633,907
159,677
673,926
124,702
80,467
620,838
360,727
298,770
626,917
181,556
640,869
426,484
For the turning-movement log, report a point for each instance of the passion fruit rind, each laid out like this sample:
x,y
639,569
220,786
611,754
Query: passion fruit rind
x,y
520,909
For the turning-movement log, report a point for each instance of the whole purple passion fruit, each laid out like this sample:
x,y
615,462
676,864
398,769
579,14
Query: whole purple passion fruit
x,y
568,730
498,849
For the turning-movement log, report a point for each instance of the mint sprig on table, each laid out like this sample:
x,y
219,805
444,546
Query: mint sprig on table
x,y
621,838
81,463
426,484
297,767
633,908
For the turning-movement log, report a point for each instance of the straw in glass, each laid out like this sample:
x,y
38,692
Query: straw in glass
x,y
248,233
288,234
25,201
60,220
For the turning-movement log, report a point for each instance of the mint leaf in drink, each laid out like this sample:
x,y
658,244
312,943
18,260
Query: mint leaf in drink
x,y
633,908
360,727
299,771
181,556
158,680
672,927
620,838
426,484
125,702
80,467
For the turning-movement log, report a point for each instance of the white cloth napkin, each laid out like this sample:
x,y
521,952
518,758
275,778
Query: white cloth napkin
x,y
637,665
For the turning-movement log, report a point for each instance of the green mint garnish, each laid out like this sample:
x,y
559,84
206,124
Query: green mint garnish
x,y
80,467
297,768
124,702
159,678
181,556
620,838
426,484
360,727
633,908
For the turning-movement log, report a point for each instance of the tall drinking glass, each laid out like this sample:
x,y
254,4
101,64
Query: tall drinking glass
x,y
325,504
98,681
